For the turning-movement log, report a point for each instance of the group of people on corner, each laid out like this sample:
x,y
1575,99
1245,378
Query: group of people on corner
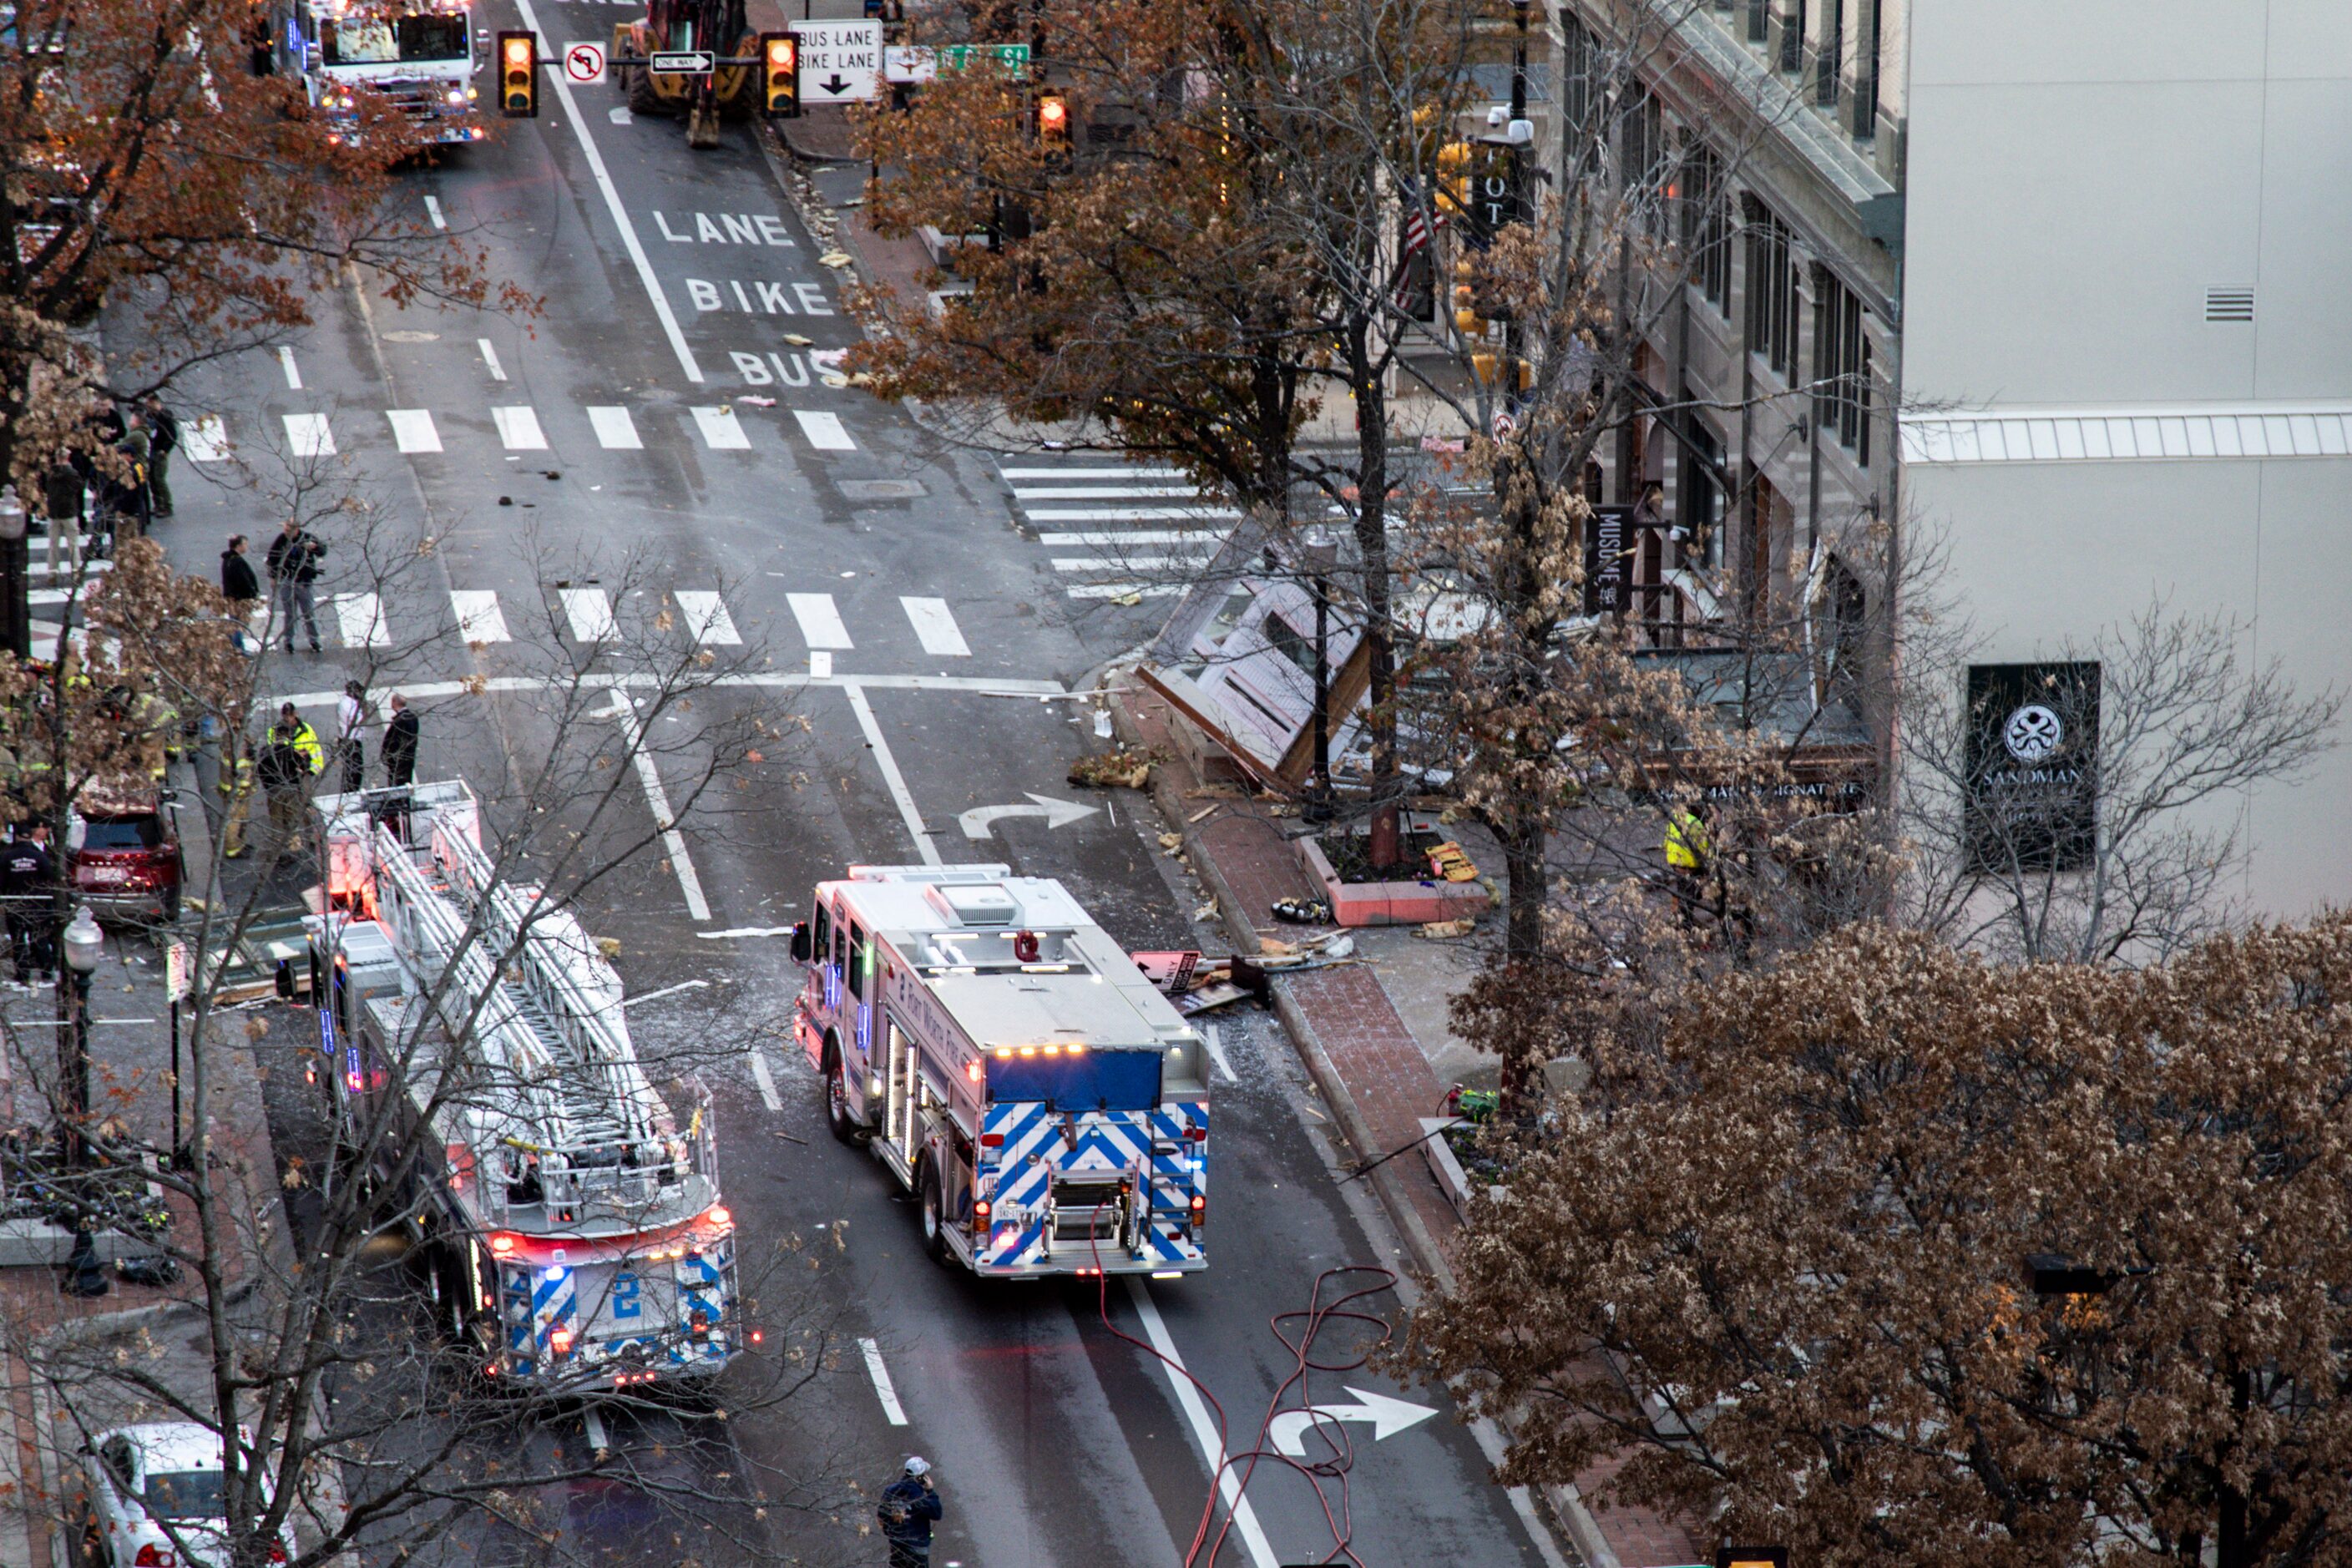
x,y
292,561
100,498
291,756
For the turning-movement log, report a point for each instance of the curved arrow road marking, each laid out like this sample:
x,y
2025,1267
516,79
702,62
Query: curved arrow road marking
x,y
1057,813
1388,1415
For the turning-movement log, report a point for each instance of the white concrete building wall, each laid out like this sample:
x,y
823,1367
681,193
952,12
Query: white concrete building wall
x,y
2078,178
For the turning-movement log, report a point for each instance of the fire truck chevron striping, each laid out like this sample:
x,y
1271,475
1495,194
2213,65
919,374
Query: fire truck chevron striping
x,y
479,1058
1008,1063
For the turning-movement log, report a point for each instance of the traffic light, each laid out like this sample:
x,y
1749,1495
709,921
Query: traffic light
x,y
780,68
518,75
1466,319
1053,122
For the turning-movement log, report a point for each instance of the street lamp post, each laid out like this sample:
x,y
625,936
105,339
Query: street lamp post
x,y
15,608
83,943
1320,552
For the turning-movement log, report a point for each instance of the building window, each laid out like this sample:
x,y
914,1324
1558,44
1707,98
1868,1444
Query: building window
x,y
1865,123
1706,224
1832,57
1841,368
1643,159
1793,37
1699,493
1581,80
1771,290
1759,16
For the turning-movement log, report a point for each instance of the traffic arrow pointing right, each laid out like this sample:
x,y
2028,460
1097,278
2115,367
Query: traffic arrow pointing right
x,y
1388,1415
980,819
836,83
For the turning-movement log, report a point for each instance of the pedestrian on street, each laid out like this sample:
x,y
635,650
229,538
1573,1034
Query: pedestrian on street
x,y
127,497
61,497
401,733
907,1508
28,875
293,562
290,759
350,725
163,440
242,589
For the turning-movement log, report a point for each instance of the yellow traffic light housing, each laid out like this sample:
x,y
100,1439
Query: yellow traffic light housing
x,y
1053,122
779,71
518,75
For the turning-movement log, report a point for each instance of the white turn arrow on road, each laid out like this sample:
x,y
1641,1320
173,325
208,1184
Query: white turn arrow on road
x,y
1057,813
1388,1415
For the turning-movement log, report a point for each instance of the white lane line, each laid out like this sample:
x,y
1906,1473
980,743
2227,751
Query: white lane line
x,y
935,624
665,991
1129,513
589,611
819,666
612,202
433,211
1217,1053
765,1078
656,797
360,619
309,437
824,431
286,363
519,428
1121,590
881,1376
1092,473
479,619
1132,562
615,431
598,1438
411,429
490,358
890,775
1206,538
205,440
1100,492
820,622
721,431
1204,1430
707,618
733,931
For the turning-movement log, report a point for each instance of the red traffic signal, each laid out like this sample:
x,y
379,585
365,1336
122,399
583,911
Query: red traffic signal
x,y
518,75
779,74
1052,122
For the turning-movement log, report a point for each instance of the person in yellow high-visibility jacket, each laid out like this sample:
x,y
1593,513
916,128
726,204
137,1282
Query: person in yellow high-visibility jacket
x,y
1687,845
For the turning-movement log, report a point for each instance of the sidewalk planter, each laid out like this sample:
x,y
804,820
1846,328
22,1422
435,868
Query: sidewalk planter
x,y
1422,901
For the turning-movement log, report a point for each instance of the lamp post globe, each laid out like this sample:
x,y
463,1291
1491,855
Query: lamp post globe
x,y
83,941
12,516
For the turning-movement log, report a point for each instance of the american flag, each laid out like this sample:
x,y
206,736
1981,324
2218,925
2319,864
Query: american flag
x,y
1417,225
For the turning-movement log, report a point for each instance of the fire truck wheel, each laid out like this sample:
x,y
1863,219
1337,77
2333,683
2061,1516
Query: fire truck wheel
x,y
836,1099
935,1231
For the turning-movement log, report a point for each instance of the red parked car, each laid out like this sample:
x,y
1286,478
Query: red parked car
x,y
123,857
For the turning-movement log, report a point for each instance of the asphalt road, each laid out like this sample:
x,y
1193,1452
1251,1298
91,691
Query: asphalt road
x,y
846,545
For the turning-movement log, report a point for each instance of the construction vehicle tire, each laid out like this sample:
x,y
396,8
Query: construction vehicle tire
x,y
643,98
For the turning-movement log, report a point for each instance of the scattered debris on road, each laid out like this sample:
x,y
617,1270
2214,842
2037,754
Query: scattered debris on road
x,y
1110,770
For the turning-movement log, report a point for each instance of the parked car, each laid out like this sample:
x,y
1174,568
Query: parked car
x,y
140,1478
123,857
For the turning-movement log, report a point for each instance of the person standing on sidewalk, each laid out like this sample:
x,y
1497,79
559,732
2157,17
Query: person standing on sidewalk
x,y
350,726
242,589
401,734
163,440
129,494
293,562
907,1508
26,878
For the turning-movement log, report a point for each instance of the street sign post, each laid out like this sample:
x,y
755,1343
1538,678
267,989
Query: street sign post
x,y
1013,58
583,64
681,62
841,62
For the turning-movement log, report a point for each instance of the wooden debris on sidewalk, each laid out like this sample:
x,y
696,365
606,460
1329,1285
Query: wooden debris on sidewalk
x,y
1113,769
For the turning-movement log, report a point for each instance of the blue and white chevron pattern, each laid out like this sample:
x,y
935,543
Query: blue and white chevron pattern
x,y
1039,1146
704,1285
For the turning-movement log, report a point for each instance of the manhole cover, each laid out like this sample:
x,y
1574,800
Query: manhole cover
x,y
881,489
412,337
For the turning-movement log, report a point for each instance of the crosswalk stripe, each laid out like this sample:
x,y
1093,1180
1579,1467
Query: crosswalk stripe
x,y
1121,473
309,437
825,432
1127,514
1100,492
589,611
360,619
1210,536
412,430
935,626
479,619
1121,590
205,439
721,431
707,617
615,431
821,625
519,428
1129,563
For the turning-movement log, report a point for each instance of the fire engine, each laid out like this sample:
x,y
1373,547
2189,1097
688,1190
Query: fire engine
x,y
1007,1063
418,54
574,1238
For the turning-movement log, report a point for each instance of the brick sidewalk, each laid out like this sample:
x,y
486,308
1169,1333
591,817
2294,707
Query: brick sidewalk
x,y
1373,1071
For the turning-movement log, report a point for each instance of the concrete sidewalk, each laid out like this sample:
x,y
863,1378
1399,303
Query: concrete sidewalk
x,y
1375,1038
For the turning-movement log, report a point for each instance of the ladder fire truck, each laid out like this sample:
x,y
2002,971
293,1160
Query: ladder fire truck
x,y
1008,1063
575,1237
